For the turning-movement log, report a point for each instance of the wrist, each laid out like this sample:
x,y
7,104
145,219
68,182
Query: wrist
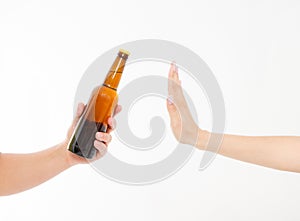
x,y
202,139
65,155
71,158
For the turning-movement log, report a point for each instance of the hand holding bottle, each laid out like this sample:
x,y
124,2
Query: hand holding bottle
x,y
100,107
19,172
87,137
101,139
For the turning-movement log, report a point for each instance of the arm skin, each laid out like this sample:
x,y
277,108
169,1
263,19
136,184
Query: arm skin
x,y
278,152
19,172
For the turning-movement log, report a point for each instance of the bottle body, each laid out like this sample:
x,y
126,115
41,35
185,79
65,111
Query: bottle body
x,y
100,107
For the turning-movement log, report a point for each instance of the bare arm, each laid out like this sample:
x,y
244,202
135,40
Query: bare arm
x,y
19,172
279,152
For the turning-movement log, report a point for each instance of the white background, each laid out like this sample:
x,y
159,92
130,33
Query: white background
x,y
253,49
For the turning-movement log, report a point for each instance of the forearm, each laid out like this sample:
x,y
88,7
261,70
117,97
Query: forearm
x,y
19,172
278,152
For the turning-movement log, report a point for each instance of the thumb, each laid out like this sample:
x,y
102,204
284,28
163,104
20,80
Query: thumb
x,y
172,109
79,111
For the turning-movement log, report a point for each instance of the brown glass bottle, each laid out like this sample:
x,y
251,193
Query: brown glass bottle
x,y
100,107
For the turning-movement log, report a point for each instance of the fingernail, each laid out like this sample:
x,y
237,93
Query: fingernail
x,y
100,135
176,68
170,100
111,125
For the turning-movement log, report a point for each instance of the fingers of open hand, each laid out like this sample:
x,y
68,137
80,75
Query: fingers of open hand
x,y
174,84
173,72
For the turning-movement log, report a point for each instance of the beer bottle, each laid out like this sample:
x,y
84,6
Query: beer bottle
x,y
100,107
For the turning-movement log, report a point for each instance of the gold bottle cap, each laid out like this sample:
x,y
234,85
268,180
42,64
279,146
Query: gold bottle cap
x,y
124,52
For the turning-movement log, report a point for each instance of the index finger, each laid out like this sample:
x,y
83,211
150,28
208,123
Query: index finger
x,y
174,84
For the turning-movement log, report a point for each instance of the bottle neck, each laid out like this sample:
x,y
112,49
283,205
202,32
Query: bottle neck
x,y
114,75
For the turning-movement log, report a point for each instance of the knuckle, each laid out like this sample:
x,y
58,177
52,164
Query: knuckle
x,y
96,144
107,137
98,135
